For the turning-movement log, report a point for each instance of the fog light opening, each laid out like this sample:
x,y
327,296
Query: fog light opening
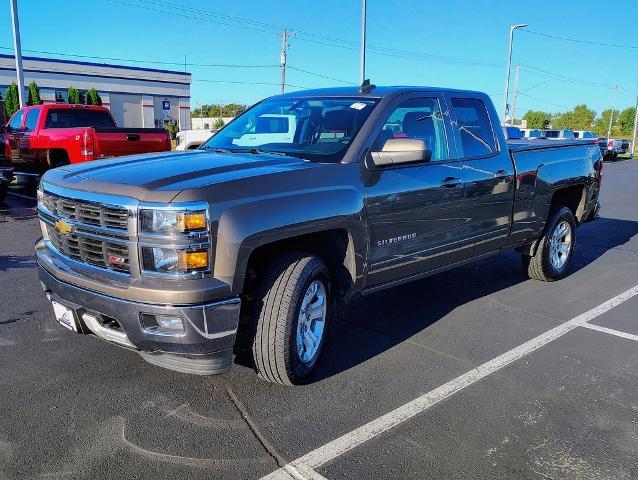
x,y
162,324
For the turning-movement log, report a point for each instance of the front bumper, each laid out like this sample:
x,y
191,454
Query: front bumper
x,y
205,347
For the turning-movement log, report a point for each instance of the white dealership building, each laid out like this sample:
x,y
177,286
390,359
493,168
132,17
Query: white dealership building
x,y
136,96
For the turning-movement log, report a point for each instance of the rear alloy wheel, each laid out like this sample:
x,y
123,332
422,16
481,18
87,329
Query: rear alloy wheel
x,y
555,250
292,312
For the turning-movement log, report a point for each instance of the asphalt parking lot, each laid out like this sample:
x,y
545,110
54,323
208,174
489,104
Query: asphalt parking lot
x,y
477,373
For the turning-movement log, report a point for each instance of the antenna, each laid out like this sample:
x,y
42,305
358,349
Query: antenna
x,y
366,86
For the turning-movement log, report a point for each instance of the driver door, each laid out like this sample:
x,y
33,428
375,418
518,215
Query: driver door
x,y
415,211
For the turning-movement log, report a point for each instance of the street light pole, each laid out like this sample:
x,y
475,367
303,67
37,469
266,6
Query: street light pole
x,y
18,51
613,108
633,137
363,41
509,65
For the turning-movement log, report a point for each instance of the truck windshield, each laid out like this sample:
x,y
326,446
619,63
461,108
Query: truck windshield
x,y
316,129
72,118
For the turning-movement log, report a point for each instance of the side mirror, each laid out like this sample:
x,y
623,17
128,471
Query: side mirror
x,y
397,151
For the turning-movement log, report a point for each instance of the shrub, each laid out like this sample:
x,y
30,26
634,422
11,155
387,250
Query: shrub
x,y
34,94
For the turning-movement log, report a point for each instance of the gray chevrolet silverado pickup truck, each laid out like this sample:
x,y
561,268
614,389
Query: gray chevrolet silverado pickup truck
x,y
304,201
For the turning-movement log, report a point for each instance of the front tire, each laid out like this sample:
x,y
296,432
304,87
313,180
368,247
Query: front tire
x,y
292,312
554,254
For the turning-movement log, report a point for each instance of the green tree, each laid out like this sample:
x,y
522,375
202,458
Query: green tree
x,y
626,121
34,94
75,96
601,125
537,119
12,101
172,127
212,111
580,118
219,123
93,98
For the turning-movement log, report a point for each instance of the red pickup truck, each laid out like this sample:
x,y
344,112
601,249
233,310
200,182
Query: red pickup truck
x,y
41,137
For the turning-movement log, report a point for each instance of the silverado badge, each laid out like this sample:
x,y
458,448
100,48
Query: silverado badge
x,y
63,227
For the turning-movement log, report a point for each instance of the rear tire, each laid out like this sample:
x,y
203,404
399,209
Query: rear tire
x,y
292,311
3,192
555,250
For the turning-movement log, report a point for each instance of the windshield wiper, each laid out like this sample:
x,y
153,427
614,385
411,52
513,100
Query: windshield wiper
x,y
216,149
271,152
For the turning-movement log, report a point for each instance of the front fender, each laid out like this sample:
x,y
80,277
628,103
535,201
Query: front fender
x,y
245,227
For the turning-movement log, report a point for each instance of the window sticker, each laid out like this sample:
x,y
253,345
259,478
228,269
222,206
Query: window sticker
x,y
358,106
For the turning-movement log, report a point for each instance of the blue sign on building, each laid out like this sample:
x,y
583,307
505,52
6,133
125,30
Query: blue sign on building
x,y
166,105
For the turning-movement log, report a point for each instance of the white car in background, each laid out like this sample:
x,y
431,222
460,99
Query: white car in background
x,y
269,128
192,139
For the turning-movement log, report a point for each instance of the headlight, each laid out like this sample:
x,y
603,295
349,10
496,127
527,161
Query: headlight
x,y
40,194
172,222
174,260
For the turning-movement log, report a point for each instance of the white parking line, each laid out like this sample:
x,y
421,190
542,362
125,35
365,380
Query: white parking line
x,y
21,196
611,331
303,467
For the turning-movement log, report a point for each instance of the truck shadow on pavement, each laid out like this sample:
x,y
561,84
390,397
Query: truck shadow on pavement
x,y
9,262
374,324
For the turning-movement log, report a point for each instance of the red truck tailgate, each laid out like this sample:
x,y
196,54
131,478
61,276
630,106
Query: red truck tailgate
x,y
115,142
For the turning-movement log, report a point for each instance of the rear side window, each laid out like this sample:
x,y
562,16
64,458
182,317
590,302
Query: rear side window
x,y
32,120
72,117
16,121
474,127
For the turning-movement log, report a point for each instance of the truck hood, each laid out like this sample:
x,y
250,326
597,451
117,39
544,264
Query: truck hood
x,y
161,177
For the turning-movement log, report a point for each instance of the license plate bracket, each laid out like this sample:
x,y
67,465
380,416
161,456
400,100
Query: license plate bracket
x,y
65,316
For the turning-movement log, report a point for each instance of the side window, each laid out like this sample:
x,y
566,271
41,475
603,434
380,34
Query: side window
x,y
475,128
16,121
32,120
419,118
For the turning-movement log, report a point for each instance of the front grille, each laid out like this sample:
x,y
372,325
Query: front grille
x,y
87,212
101,253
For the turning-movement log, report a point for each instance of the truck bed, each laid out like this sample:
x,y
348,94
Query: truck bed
x,y
543,144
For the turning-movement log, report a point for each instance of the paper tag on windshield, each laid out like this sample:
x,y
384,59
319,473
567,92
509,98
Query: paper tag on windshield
x,y
358,106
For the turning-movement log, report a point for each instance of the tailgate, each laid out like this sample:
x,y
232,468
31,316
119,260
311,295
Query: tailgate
x,y
131,141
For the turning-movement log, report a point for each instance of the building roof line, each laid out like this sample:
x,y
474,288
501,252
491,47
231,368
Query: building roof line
x,y
93,64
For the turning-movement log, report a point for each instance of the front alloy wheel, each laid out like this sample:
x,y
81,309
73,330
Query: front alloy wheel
x,y
292,311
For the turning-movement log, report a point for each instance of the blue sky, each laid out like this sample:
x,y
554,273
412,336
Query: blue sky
x,y
454,43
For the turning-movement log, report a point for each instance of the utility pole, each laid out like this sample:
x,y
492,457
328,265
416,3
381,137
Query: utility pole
x,y
518,72
613,107
363,41
633,137
509,68
18,50
285,36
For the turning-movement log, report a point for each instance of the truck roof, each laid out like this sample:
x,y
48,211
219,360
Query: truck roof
x,y
377,92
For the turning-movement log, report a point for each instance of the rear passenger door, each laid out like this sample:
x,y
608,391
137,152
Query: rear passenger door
x,y
488,172
414,211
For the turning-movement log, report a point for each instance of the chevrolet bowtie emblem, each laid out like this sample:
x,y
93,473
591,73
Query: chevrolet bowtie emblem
x,y
63,227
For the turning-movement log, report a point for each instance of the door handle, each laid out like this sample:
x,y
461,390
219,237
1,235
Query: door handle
x,y
450,182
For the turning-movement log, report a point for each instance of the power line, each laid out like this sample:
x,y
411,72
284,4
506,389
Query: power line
x,y
320,75
262,27
576,40
240,82
543,101
133,60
